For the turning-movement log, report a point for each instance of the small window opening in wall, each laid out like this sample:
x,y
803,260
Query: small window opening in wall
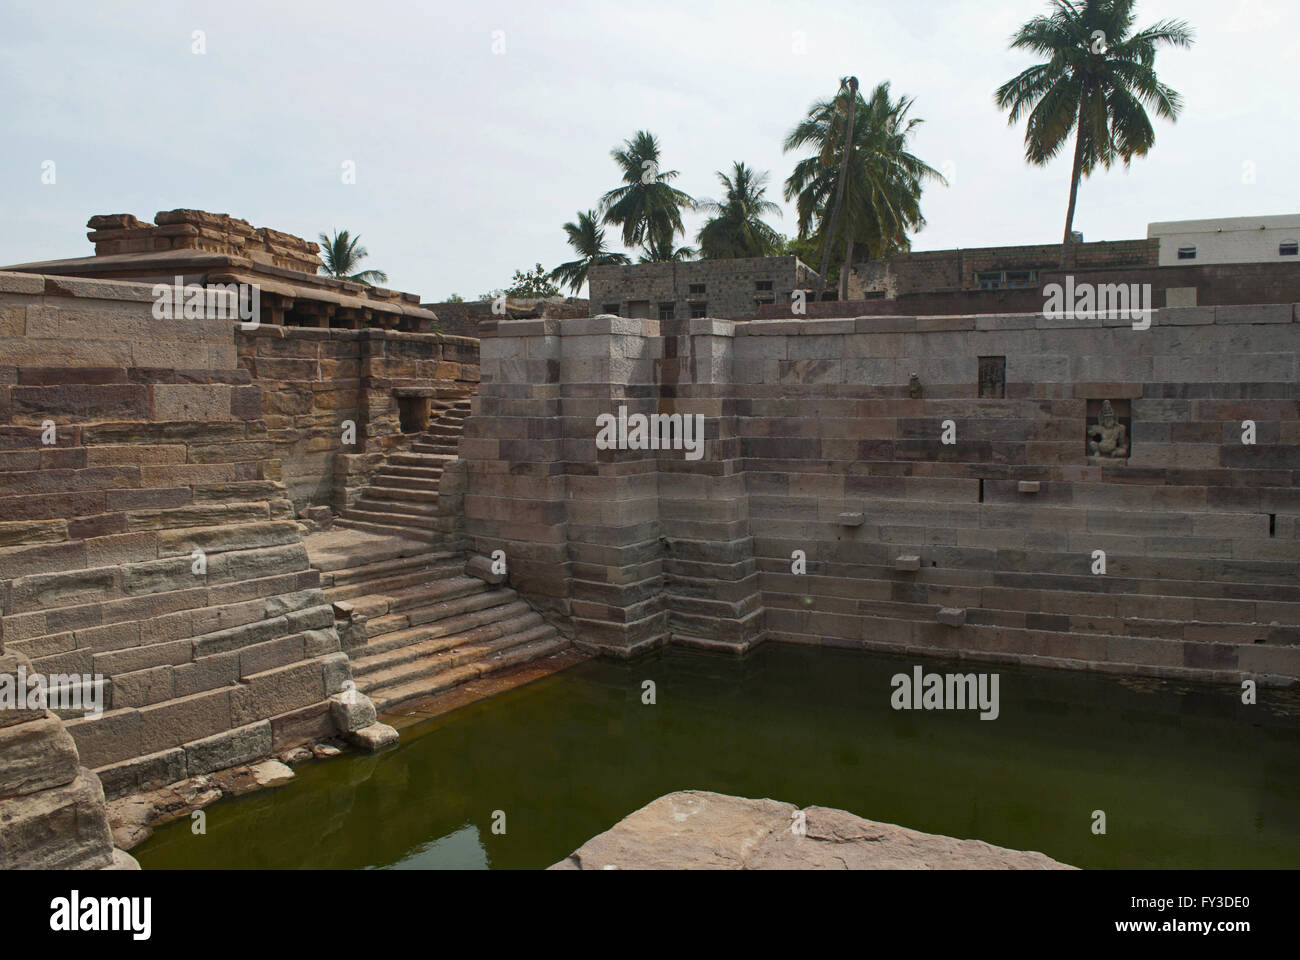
x,y
763,285
696,289
1186,253
1272,524
699,310
1288,248
410,411
981,489
667,311
611,308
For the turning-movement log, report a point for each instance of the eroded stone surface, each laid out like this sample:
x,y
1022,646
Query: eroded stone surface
x,y
695,829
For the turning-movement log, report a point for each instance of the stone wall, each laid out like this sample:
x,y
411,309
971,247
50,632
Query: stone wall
x,y
936,271
727,288
312,380
820,441
1203,285
146,536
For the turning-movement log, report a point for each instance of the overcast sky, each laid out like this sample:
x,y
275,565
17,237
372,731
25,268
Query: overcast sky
x,y
468,161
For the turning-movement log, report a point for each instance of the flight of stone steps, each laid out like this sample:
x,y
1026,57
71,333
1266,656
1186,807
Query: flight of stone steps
x,y
402,497
414,624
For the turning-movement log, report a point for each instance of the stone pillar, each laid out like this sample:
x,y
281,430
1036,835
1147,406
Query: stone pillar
x,y
711,582
636,547
608,364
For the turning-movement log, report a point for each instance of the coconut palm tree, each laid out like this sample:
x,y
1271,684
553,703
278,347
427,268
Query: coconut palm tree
x,y
343,254
1098,78
646,207
657,251
882,180
588,239
736,228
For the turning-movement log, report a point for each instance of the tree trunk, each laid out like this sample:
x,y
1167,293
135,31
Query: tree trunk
x,y
1067,243
839,181
845,268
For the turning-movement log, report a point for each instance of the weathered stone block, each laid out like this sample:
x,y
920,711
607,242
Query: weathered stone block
x,y
241,745
951,616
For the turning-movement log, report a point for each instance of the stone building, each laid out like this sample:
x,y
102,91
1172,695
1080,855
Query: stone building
x,y
698,288
215,248
988,268
461,318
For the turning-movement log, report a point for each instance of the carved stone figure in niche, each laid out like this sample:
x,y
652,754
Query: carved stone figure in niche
x,y
1108,437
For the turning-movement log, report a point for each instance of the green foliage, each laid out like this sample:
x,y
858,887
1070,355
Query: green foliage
x,y
647,208
534,283
882,193
588,240
1096,82
455,298
736,227
343,254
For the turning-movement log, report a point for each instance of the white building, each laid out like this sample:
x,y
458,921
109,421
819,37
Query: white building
x,y
1230,240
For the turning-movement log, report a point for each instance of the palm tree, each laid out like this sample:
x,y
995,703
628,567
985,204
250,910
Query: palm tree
x,y
736,228
343,254
1096,81
656,251
882,181
646,207
588,239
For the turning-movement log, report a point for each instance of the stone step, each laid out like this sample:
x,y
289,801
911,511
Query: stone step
x,y
380,603
397,530
423,495
389,698
337,553
404,523
419,459
379,668
393,482
433,474
440,620
395,580
419,606
444,449
404,563
372,504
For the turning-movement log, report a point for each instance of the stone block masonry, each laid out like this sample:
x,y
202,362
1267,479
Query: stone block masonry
x,y
1177,559
147,535
311,381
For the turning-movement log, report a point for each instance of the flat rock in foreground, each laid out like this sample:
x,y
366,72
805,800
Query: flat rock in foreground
x,y
694,829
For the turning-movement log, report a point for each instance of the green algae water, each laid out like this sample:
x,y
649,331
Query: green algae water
x,y
1187,775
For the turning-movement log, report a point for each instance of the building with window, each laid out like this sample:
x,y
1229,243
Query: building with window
x,y
1228,240
988,268
729,289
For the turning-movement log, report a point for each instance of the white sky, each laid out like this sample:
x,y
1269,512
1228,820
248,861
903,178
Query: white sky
x,y
468,162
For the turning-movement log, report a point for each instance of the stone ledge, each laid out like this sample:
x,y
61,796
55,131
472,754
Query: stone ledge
x,y
695,829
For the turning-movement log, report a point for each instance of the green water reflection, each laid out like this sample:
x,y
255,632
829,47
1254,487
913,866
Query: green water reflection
x,y
1187,775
